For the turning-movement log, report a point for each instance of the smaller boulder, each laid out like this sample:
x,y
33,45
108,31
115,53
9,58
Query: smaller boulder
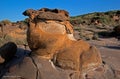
x,y
78,60
7,52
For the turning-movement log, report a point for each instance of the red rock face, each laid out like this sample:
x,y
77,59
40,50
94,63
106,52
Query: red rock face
x,y
50,36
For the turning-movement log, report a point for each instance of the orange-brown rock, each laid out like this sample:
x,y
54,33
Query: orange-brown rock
x,y
77,57
50,36
46,40
47,14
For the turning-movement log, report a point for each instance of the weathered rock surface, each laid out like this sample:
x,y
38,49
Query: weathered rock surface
x,y
40,68
24,67
46,36
23,70
110,52
50,37
47,14
78,60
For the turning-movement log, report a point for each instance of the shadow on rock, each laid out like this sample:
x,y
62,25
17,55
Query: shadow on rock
x,y
10,55
106,34
113,47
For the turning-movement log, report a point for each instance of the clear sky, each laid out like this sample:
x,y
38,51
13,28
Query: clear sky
x,y
12,9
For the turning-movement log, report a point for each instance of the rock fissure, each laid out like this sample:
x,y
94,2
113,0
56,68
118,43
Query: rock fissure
x,y
37,72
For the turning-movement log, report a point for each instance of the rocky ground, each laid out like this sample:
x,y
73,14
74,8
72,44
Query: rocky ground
x,y
44,69
110,52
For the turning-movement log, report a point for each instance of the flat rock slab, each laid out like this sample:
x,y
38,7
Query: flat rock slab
x,y
110,52
4,68
26,67
111,57
47,70
24,70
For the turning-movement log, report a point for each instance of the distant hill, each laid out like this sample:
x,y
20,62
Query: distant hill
x,y
110,18
95,25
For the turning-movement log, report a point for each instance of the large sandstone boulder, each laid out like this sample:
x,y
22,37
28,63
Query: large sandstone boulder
x,y
44,39
50,36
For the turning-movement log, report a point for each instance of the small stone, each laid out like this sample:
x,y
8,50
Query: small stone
x,y
2,60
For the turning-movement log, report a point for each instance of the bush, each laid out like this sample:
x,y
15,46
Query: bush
x,y
5,22
95,36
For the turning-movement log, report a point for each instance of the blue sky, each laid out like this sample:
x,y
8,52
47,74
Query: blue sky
x,y
12,9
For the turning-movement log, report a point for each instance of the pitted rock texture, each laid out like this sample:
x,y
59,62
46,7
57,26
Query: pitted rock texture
x,y
47,14
53,39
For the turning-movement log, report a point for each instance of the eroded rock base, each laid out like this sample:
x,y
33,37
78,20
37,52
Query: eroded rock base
x,y
39,68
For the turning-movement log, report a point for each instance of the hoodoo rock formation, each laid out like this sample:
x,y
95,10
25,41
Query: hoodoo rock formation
x,y
46,35
50,36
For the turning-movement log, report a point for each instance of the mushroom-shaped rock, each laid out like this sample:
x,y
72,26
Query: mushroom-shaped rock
x,y
50,36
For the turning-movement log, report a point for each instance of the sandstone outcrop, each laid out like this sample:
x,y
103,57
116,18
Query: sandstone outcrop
x,y
78,60
41,37
26,67
50,36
